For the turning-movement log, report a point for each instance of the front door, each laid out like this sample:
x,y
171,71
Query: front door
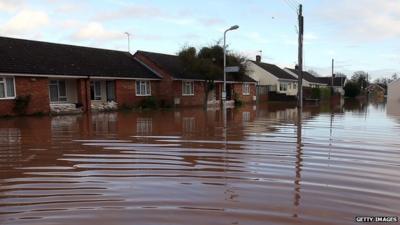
x,y
110,90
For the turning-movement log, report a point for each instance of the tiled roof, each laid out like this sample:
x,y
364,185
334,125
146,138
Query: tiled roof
x,y
176,68
337,81
275,70
306,76
43,58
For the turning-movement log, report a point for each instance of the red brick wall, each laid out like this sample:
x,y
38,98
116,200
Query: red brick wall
x,y
165,85
238,89
125,92
37,88
83,88
196,100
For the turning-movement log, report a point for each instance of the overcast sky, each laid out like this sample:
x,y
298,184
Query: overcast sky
x,y
360,35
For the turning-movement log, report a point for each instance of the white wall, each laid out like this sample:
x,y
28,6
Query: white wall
x,y
260,75
264,77
394,91
305,83
290,90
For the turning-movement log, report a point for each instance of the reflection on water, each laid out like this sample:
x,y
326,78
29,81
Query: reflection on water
x,y
273,164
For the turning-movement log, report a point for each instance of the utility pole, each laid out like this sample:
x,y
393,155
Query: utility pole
x,y
300,58
333,74
129,41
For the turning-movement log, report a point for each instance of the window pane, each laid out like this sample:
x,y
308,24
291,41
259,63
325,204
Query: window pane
x,y
97,85
2,94
110,90
10,87
53,93
61,88
137,87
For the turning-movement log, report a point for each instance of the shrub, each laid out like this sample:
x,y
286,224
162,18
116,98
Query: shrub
x,y
238,101
165,104
315,93
351,89
325,93
148,103
21,104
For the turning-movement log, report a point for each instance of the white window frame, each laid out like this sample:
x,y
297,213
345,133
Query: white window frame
x,y
189,85
4,81
145,85
283,84
95,97
58,90
246,89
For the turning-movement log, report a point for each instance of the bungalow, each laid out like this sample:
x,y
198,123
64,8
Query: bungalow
x,y
59,77
337,83
182,88
309,80
375,91
271,78
393,94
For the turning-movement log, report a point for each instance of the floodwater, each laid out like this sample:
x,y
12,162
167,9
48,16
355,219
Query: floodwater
x,y
271,165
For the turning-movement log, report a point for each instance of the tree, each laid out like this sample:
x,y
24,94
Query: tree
x,y
361,79
208,62
351,89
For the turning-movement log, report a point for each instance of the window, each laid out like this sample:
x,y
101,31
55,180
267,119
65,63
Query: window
x,y
95,90
246,89
294,86
187,88
283,86
7,87
58,91
143,88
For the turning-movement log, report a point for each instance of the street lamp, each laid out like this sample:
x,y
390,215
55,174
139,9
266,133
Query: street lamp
x,y
224,89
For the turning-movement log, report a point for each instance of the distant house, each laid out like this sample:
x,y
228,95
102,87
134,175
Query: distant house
x,y
375,91
60,77
337,83
183,88
309,80
271,78
393,92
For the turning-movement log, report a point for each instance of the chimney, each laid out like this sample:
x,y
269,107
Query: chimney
x,y
258,58
296,67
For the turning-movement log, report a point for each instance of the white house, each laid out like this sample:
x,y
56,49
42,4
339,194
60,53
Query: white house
x,y
393,94
270,77
309,80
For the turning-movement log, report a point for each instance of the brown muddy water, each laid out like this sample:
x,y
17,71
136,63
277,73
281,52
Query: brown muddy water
x,y
179,167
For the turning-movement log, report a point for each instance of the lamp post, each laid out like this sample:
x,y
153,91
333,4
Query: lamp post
x,y
129,40
224,89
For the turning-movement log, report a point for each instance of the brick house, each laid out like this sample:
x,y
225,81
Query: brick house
x,y
60,77
181,88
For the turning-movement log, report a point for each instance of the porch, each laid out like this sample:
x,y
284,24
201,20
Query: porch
x,y
71,96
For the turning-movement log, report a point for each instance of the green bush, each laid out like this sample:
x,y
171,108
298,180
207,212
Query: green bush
x,y
148,103
325,93
165,104
238,101
315,93
351,89
21,104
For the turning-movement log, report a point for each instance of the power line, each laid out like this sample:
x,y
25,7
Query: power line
x,y
291,5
